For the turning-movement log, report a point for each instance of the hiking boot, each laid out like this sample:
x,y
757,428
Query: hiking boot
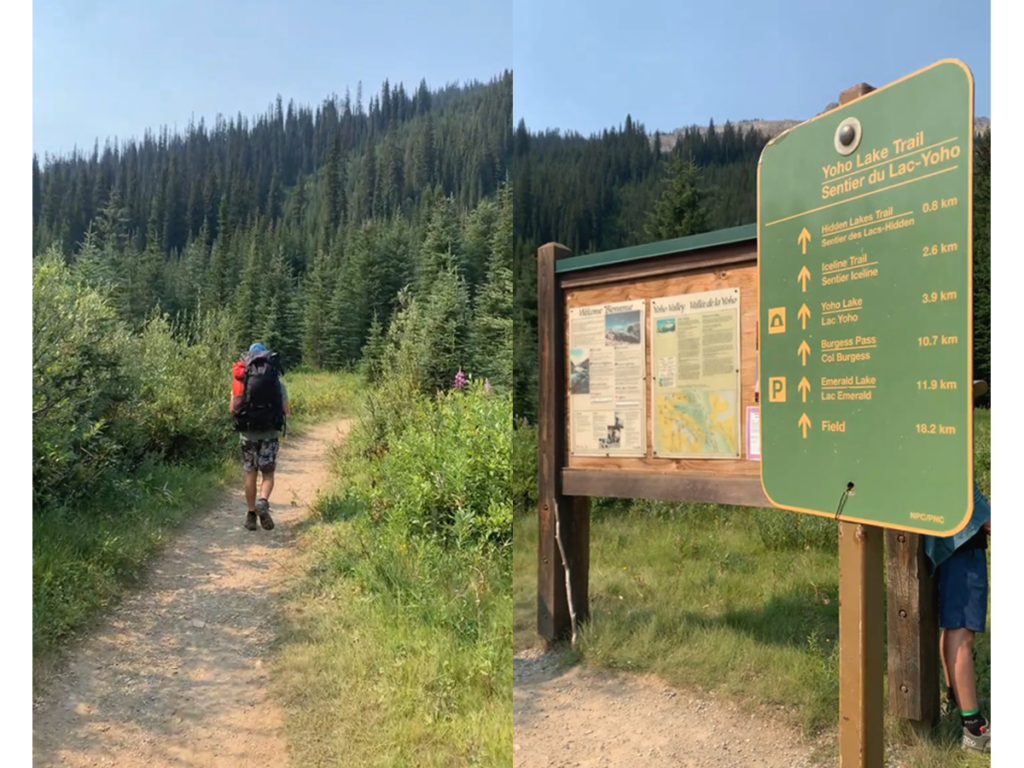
x,y
250,521
263,510
979,743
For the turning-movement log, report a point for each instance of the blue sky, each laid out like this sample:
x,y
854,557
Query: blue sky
x,y
584,65
117,67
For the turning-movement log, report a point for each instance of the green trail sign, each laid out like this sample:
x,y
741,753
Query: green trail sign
x,y
864,272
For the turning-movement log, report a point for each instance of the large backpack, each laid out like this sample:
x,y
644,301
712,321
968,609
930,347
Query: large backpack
x,y
262,407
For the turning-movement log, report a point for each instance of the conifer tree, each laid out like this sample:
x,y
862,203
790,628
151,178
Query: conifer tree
x,y
317,289
682,208
490,339
441,249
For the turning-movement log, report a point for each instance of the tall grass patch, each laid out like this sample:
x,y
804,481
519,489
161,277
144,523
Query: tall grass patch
x,y
318,395
402,629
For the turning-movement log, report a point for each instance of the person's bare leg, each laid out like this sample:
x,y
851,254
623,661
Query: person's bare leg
x,y
942,655
958,655
250,490
268,485
950,691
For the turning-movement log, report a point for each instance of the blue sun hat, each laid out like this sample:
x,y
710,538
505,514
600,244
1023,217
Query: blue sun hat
x,y
257,347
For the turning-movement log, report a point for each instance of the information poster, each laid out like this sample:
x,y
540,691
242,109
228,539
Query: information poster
x,y
607,379
753,433
695,382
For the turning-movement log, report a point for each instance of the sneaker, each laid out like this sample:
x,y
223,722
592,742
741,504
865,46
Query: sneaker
x,y
250,521
263,510
979,743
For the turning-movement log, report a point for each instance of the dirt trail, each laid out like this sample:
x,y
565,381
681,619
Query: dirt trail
x,y
177,676
564,718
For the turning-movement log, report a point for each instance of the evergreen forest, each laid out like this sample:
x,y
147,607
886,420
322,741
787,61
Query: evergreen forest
x,y
619,188
301,224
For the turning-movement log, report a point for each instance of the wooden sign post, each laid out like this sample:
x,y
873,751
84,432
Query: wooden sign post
x,y
572,513
913,632
864,222
840,384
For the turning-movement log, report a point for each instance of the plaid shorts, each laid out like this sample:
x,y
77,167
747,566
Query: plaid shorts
x,y
259,454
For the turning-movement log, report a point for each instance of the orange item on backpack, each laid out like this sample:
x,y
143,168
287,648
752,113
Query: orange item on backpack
x,y
238,378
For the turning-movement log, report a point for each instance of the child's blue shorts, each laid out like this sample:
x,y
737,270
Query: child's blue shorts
x,y
963,590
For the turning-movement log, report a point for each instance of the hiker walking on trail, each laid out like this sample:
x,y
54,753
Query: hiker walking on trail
x,y
962,574
259,405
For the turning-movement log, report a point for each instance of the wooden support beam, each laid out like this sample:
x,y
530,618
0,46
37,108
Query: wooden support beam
x,y
553,619
861,634
666,486
913,630
861,646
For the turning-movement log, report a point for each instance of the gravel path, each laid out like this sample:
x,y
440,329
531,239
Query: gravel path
x,y
177,676
569,717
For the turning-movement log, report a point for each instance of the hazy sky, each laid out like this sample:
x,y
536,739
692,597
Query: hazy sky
x,y
117,67
585,64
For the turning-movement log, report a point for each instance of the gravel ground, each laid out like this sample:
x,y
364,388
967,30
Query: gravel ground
x,y
564,717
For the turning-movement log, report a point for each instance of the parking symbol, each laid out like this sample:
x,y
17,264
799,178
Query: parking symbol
x,y
777,389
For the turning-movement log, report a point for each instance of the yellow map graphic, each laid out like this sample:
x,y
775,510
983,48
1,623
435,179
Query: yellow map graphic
x,y
696,421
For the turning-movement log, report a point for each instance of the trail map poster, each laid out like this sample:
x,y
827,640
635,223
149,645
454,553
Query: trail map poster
x,y
607,379
695,375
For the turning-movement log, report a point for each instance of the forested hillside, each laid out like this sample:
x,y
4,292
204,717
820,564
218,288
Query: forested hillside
x,y
603,192
303,223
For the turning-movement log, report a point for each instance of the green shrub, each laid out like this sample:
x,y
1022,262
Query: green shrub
x,y
106,401
80,384
448,475
181,407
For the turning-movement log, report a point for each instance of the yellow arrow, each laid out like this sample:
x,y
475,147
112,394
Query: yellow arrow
x,y
805,423
804,314
804,386
804,350
805,237
803,277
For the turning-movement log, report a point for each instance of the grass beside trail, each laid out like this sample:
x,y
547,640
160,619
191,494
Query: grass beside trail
x,y
739,601
85,557
396,652
382,680
316,396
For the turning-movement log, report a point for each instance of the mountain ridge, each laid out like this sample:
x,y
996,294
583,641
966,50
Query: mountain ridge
x,y
768,128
